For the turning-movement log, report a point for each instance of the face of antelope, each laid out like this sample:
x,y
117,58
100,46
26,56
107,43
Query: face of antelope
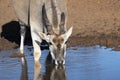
x,y
57,45
57,35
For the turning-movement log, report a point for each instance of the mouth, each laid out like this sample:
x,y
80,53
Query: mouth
x,y
59,62
60,67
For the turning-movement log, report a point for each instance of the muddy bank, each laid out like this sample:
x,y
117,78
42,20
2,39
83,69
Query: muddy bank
x,y
110,41
107,40
7,45
95,22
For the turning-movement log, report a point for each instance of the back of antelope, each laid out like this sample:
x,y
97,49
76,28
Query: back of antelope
x,y
48,16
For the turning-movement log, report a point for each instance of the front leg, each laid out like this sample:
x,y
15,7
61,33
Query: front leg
x,y
37,51
22,34
36,46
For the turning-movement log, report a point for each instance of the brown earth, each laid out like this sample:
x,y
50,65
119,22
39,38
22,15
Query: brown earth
x,y
95,22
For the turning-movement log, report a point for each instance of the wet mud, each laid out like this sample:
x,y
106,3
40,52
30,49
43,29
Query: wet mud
x,y
104,40
110,41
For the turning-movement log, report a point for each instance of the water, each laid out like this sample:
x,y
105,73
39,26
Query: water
x,y
82,63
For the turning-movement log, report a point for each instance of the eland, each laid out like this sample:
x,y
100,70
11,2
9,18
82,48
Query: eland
x,y
47,20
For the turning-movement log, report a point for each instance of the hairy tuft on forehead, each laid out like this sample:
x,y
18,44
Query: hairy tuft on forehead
x,y
58,39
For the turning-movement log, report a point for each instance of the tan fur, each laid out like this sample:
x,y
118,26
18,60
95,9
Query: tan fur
x,y
36,54
47,17
58,41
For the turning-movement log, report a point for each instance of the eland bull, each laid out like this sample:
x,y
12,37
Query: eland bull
x,y
47,20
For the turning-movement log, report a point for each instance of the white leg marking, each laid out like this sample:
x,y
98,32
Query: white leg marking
x,y
22,44
22,32
23,60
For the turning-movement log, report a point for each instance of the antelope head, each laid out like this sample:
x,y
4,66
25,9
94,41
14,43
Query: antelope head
x,y
57,37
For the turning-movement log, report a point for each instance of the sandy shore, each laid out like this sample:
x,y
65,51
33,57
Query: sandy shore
x,y
95,22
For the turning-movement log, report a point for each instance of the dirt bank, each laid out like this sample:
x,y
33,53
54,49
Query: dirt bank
x,y
95,22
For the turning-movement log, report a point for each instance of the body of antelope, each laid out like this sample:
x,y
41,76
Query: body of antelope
x,y
47,20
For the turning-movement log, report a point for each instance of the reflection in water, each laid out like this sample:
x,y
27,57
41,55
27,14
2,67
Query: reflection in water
x,y
85,63
24,74
58,73
54,72
37,71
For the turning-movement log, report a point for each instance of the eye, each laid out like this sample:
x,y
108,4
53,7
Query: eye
x,y
66,42
50,43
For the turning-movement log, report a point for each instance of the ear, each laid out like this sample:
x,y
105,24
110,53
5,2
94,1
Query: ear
x,y
44,36
68,34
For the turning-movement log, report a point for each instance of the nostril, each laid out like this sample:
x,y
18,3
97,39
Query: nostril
x,y
60,62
